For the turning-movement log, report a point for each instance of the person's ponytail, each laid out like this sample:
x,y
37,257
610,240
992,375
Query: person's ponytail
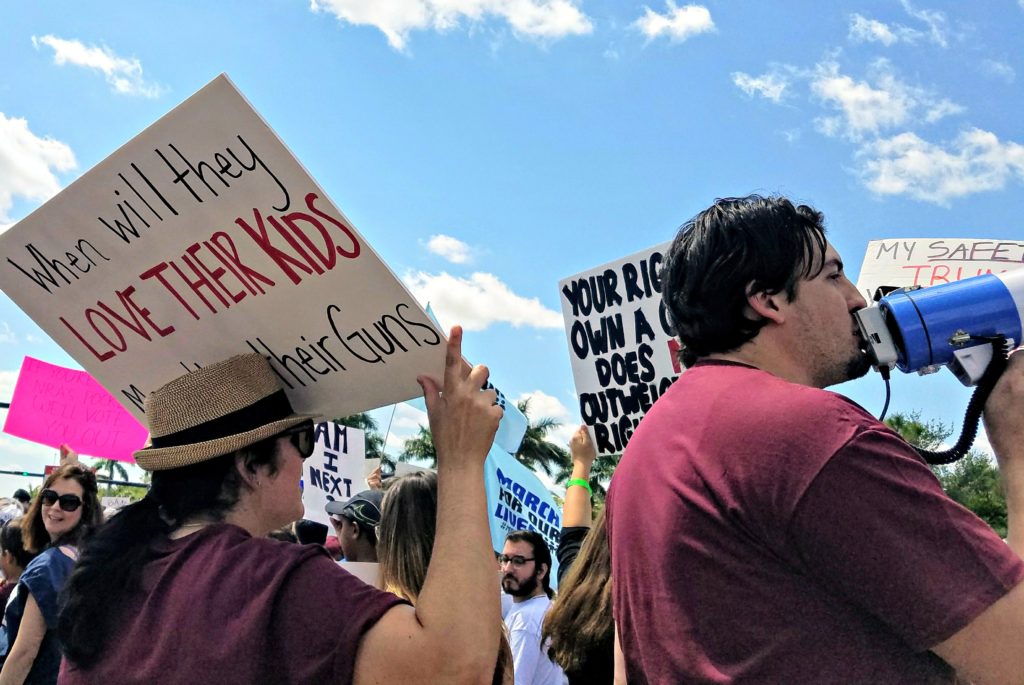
x,y
109,565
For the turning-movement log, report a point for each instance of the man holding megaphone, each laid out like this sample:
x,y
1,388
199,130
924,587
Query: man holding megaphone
x,y
765,530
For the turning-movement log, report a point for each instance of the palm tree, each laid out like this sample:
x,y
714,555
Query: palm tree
x,y
535,451
111,466
374,440
420,447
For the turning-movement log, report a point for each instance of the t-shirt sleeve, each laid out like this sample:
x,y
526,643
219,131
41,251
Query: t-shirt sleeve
x,y
44,579
320,616
569,544
875,527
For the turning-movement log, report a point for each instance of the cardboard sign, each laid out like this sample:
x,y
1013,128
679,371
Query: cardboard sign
x,y
931,261
115,502
622,350
517,500
53,405
201,238
335,469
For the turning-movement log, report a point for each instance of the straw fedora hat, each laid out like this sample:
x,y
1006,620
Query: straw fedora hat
x,y
213,411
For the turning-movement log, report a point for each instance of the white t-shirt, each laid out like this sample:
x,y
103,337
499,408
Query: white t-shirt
x,y
532,665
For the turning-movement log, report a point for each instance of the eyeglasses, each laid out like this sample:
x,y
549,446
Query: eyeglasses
x,y
515,560
67,502
302,437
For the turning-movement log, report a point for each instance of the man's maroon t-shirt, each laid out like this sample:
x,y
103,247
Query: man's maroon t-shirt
x,y
220,606
766,532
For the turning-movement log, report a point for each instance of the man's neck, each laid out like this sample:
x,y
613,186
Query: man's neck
x,y
766,358
538,593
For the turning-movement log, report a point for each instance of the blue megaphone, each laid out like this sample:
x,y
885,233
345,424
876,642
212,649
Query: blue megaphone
x,y
952,325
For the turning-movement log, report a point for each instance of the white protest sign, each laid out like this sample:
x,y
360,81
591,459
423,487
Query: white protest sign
x,y
622,351
201,238
115,502
931,261
335,469
404,468
366,571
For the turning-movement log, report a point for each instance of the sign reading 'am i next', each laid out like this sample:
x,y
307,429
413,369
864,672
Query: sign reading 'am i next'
x,y
204,237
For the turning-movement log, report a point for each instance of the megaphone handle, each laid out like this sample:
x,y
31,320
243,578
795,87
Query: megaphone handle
x,y
975,407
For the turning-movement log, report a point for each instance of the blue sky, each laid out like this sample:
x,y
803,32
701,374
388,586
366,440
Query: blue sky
x,y
489,148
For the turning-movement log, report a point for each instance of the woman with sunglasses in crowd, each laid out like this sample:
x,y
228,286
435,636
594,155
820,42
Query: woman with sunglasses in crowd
x,y
63,513
184,587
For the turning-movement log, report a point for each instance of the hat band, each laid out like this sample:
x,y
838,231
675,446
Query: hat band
x,y
273,407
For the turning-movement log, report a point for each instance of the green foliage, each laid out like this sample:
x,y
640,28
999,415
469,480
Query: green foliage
x,y
973,481
133,491
374,439
420,447
535,451
926,436
113,470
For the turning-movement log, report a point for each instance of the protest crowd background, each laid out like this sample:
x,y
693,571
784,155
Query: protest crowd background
x,y
273,463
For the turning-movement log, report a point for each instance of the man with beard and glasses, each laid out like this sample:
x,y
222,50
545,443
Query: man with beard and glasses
x,y
525,565
764,530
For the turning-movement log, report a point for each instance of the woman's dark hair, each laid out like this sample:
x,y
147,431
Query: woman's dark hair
x,y
34,531
736,247
541,553
579,623
11,541
111,563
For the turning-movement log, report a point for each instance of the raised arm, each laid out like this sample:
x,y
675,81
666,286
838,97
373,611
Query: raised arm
x,y
990,649
577,509
453,634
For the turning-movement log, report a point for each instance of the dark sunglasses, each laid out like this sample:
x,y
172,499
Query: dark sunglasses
x,y
67,502
302,437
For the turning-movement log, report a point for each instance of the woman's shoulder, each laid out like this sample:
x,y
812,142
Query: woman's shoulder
x,y
230,542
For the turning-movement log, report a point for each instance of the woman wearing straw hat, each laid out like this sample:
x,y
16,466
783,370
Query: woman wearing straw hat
x,y
183,587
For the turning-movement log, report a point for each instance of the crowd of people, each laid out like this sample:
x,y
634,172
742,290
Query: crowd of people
x,y
759,528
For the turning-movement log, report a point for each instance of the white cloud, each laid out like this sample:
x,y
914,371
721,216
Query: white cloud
x,y
542,406
936,21
864,30
790,134
452,249
124,75
479,301
1000,70
545,19
28,164
976,161
8,379
404,424
7,336
869,108
771,86
678,23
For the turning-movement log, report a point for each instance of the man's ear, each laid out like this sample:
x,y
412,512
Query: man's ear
x,y
542,570
766,305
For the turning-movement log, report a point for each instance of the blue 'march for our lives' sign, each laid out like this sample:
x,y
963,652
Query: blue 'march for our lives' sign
x,y
517,500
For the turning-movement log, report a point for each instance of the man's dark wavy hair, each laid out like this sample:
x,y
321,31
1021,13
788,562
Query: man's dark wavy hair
x,y
734,247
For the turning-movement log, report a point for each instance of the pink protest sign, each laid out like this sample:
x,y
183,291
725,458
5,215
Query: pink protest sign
x,y
54,405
